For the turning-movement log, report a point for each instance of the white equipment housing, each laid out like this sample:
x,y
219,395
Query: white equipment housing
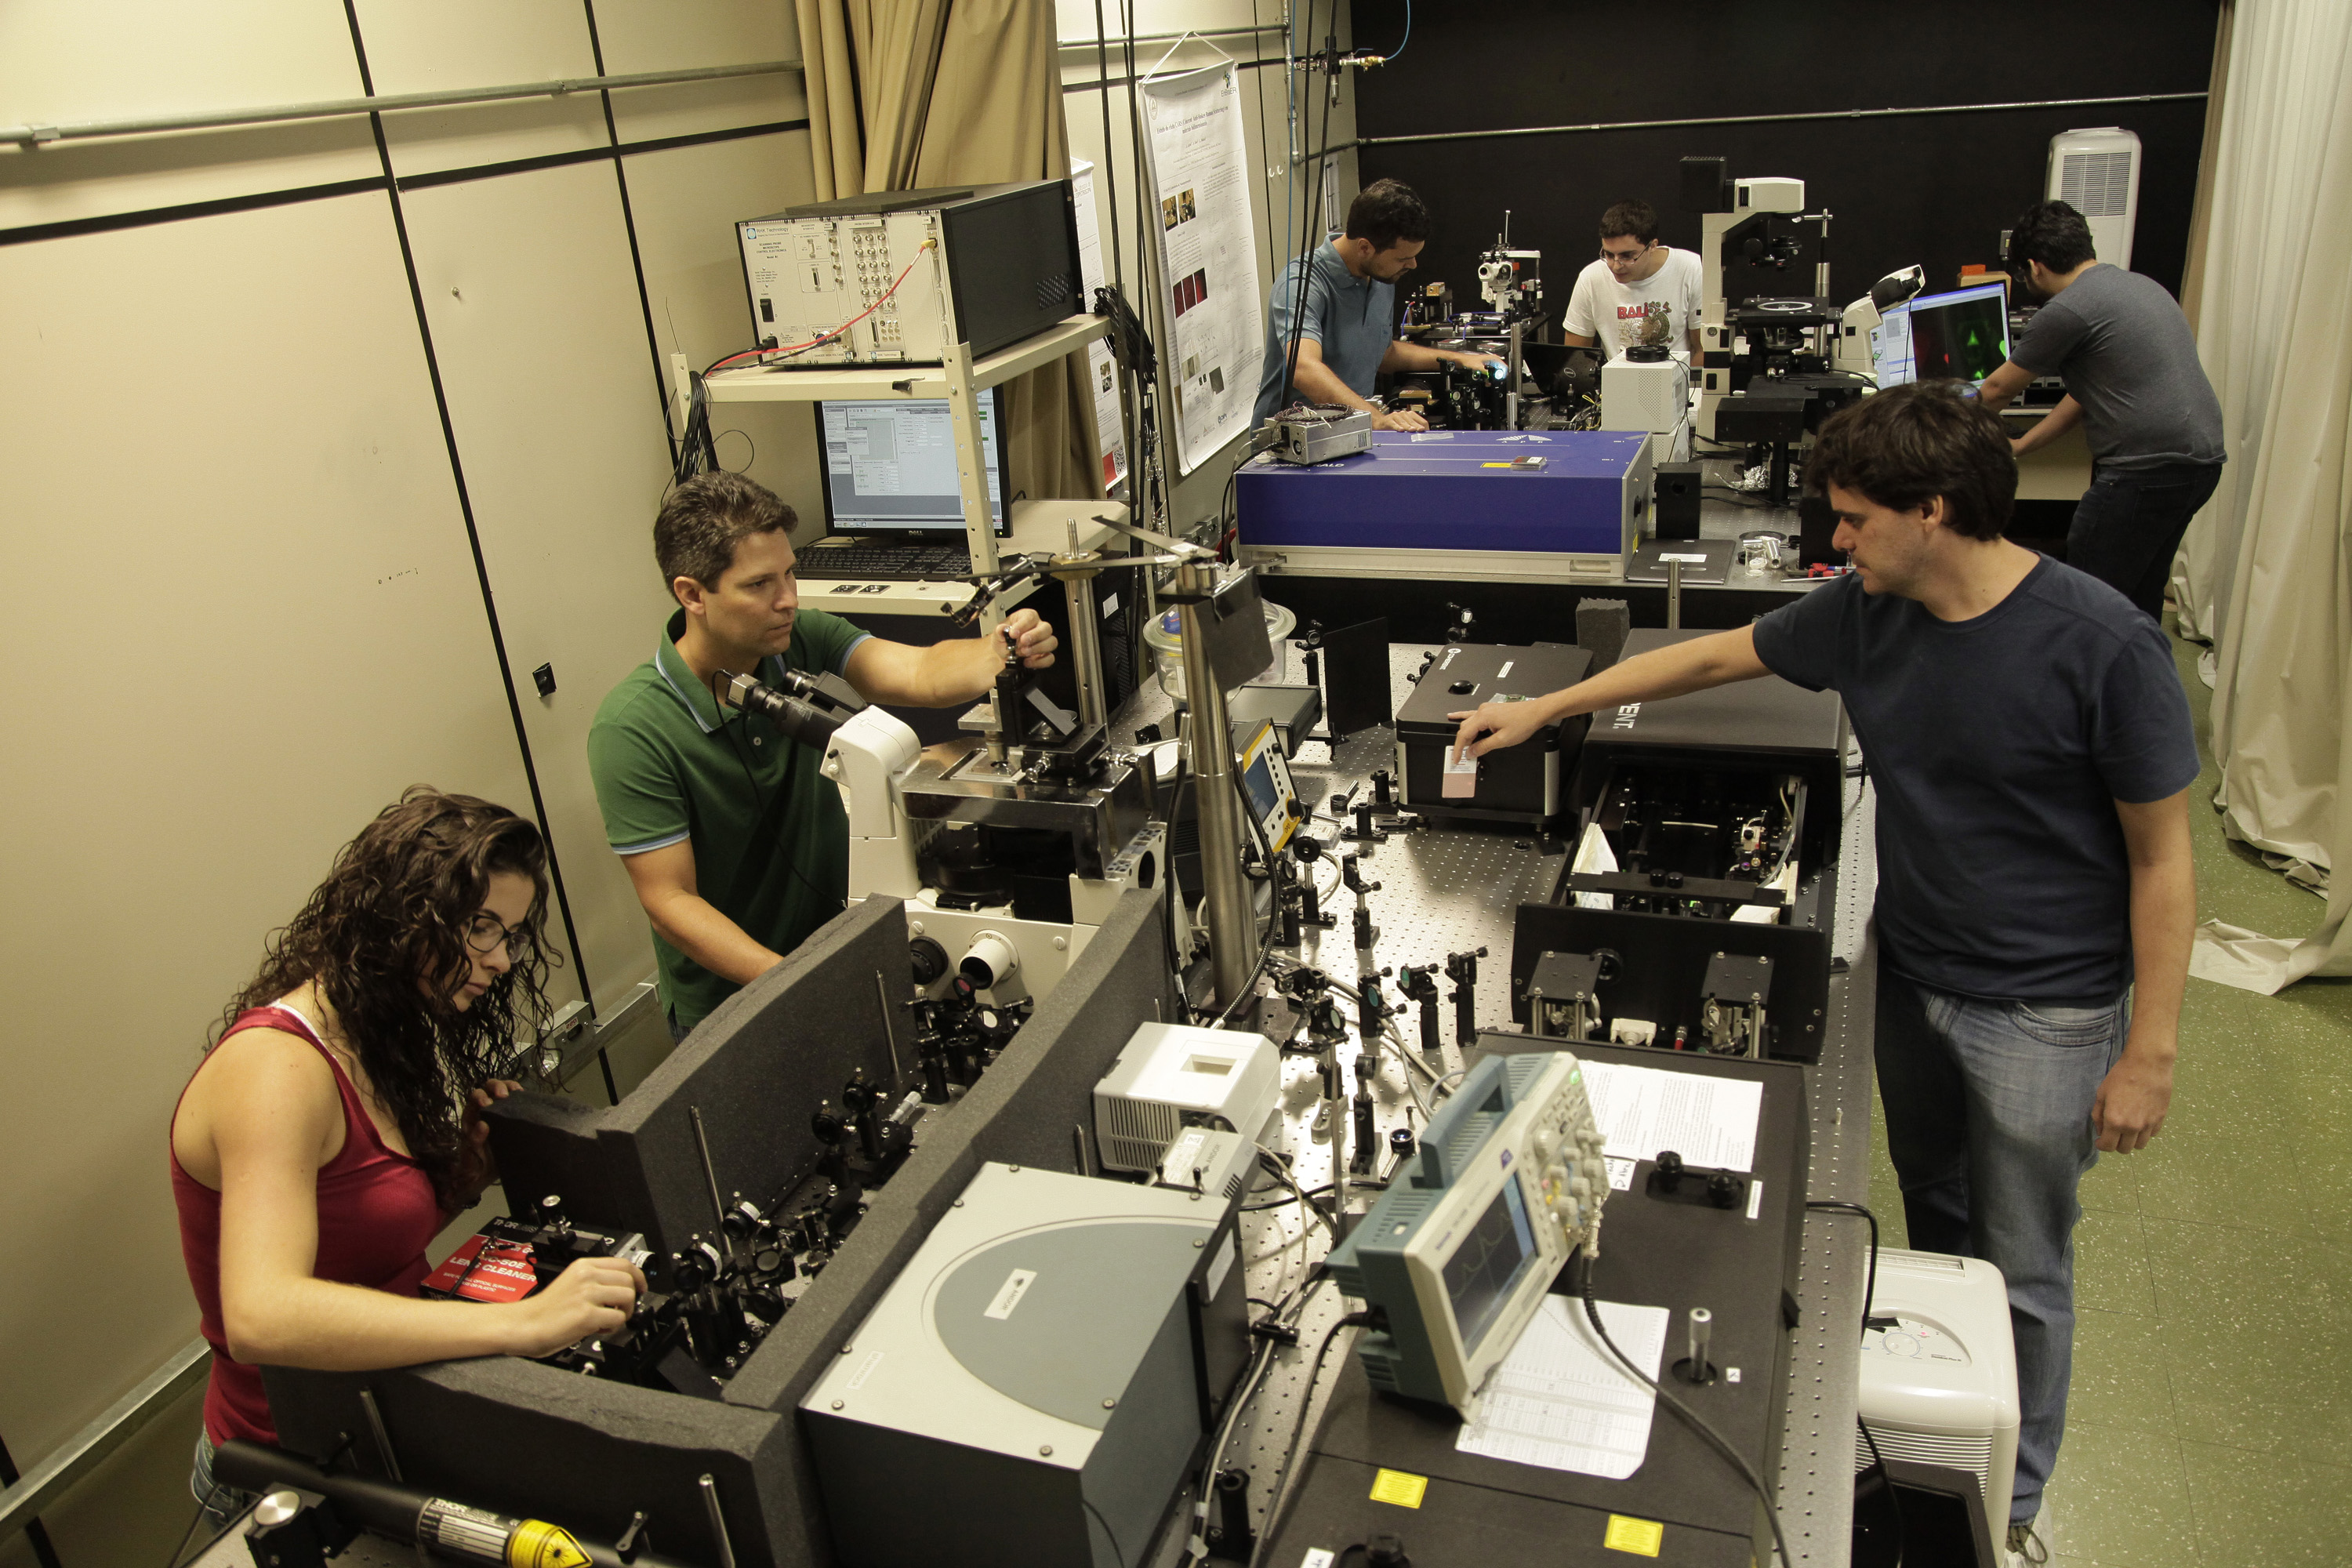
x,y
1940,1386
1214,1164
1171,1076
870,758
2097,173
1652,396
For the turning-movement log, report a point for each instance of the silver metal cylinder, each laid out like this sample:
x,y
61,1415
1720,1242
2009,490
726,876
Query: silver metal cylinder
x,y
1085,648
1511,392
1673,595
1232,928
1702,1330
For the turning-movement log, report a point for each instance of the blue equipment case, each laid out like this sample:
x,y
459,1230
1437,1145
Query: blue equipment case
x,y
1441,492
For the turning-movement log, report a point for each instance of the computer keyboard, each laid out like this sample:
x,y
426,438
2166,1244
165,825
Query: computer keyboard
x,y
885,562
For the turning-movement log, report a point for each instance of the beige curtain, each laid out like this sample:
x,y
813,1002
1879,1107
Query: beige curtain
x,y
2268,572
912,94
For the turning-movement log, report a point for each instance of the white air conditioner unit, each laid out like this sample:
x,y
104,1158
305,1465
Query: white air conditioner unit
x,y
2097,173
1939,1381
1171,1076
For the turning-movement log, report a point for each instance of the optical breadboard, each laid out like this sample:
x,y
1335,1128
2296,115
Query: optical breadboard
x,y
1171,1076
1458,1255
1552,491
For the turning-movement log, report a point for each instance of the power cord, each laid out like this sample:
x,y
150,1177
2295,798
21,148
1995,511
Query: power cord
x,y
1274,1498
1689,1417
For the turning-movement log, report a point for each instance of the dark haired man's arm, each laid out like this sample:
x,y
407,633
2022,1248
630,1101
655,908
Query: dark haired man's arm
x,y
2002,387
2049,427
1670,671
667,889
1314,382
2138,1090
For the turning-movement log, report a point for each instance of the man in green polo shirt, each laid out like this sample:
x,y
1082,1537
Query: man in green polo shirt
x,y
737,847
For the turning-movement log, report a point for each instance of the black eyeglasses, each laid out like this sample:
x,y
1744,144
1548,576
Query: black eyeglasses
x,y
486,933
1627,257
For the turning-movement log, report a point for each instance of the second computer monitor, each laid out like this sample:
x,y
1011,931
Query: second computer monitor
x,y
890,465
1960,336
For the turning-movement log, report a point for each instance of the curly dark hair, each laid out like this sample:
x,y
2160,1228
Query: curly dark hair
x,y
1909,444
394,908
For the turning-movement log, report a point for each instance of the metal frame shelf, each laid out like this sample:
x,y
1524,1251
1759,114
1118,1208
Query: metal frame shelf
x,y
960,379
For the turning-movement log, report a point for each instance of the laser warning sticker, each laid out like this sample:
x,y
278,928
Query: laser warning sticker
x,y
1641,1537
1398,1487
1016,1285
486,1268
539,1544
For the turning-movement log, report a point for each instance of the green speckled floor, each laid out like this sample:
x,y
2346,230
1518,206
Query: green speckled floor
x,y
2209,1425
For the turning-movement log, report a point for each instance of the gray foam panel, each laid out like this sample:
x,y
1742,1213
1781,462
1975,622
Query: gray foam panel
x,y
1601,628
755,1068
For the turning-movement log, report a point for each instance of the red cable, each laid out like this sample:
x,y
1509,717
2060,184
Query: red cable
x,y
828,337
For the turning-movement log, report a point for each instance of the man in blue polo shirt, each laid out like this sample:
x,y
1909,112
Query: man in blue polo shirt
x,y
2032,751
1346,316
737,847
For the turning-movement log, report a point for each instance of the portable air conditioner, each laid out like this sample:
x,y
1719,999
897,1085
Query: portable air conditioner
x,y
2097,173
1940,1371
1171,1077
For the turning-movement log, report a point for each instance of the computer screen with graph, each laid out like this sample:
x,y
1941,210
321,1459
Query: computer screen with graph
x,y
1960,336
890,465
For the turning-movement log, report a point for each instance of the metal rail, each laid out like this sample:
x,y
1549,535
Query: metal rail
x,y
82,1453
1777,119
333,108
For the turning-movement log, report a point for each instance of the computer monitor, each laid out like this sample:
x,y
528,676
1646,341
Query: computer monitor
x,y
890,465
1960,336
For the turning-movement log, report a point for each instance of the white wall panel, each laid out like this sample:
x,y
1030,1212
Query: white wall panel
x,y
108,59
551,386
687,201
240,615
676,35
425,46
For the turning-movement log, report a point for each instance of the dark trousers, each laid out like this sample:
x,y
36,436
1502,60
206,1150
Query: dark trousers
x,y
2128,525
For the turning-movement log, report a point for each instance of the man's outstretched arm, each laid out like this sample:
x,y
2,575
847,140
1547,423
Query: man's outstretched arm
x,y
1692,665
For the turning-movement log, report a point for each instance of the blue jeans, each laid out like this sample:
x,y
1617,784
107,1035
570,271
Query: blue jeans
x,y
2129,522
221,1504
1988,1124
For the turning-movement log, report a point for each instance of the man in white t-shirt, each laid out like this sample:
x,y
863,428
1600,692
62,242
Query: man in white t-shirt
x,y
1634,272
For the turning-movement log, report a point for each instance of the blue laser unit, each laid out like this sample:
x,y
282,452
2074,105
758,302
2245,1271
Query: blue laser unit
x,y
1524,493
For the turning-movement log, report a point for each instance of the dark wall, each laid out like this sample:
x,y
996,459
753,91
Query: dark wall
x,y
1933,189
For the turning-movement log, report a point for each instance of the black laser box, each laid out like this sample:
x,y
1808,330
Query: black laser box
x,y
1521,786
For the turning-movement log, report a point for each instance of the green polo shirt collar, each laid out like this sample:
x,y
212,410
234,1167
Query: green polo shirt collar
x,y
691,694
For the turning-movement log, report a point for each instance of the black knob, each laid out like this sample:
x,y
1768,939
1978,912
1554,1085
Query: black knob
x,y
1386,1552
1670,1169
1722,1190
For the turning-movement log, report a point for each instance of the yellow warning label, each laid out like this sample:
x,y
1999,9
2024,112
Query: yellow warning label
x,y
539,1544
1640,1536
1396,1487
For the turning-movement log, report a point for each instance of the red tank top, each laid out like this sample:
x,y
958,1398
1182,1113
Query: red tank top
x,y
377,1213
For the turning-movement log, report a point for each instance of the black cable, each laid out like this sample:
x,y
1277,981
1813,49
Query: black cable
x,y
1306,1402
1878,1463
217,1536
1307,228
1114,1551
1870,1288
761,805
1689,1417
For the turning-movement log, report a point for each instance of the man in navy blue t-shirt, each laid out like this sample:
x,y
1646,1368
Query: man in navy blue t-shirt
x,y
2032,750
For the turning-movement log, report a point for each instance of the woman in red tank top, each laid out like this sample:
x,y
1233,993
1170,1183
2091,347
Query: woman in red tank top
x,y
332,1128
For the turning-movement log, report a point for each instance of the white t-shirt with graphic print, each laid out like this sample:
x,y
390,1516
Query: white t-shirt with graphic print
x,y
1599,301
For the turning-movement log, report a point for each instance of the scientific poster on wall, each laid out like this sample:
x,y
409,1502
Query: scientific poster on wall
x,y
1214,337
1102,371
